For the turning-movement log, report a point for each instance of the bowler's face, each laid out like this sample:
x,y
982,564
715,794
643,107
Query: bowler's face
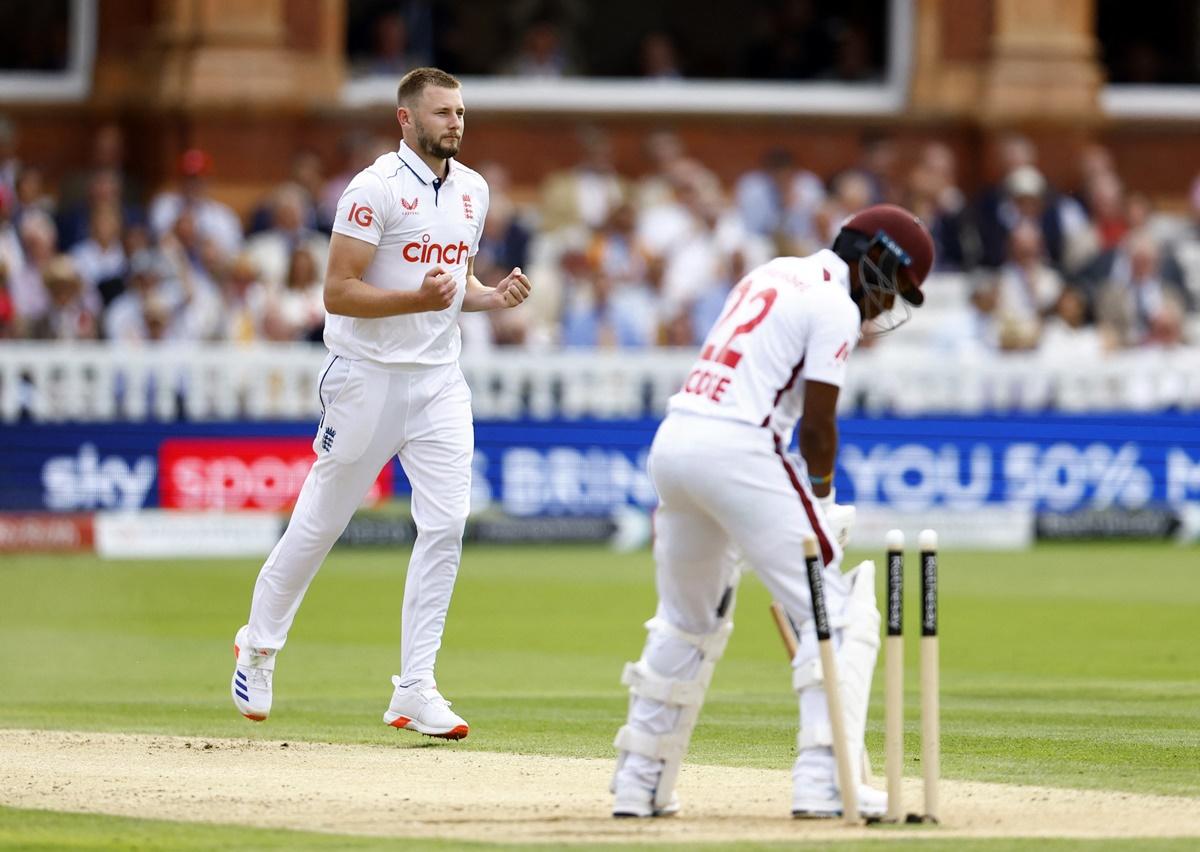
x,y
438,116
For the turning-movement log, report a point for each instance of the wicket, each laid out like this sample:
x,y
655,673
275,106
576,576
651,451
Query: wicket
x,y
893,700
927,543
930,727
848,785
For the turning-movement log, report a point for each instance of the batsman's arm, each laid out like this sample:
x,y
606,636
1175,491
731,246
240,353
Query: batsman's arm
x,y
819,434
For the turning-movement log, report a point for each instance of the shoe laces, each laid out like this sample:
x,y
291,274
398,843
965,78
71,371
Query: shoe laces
x,y
432,696
428,694
256,677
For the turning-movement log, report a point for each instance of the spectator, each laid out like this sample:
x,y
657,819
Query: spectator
x,y
659,57
1093,160
1107,210
663,149
880,161
780,201
703,265
100,259
394,49
201,254
597,315
357,150
586,193
1027,289
39,245
8,324
12,258
10,165
136,237
851,191
125,321
214,220
272,249
308,173
245,302
663,225
506,236
1067,335
107,155
972,327
543,54
853,59
1026,196
1182,258
933,195
190,287
103,189
787,42
71,315
1137,306
617,255
1024,192
296,311
31,193
308,176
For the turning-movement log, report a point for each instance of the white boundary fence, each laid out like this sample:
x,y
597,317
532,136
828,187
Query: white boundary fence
x,y
49,382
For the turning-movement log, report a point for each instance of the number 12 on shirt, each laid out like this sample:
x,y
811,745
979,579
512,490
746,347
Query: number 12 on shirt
x,y
764,299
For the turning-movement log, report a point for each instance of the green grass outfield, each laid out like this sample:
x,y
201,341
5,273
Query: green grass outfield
x,y
1069,665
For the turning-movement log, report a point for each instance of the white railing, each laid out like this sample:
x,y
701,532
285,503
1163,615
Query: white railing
x,y
48,382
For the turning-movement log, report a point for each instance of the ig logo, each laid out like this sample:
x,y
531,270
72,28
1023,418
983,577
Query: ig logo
x,y
361,215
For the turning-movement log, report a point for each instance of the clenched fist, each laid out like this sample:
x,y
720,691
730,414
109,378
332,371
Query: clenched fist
x,y
513,290
437,289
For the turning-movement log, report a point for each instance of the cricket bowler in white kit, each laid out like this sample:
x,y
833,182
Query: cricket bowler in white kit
x,y
401,268
727,485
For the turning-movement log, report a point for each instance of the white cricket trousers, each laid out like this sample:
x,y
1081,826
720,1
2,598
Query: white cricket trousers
x,y
725,488
723,485
372,412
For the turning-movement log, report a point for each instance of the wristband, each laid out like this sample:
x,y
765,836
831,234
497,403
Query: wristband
x,y
821,480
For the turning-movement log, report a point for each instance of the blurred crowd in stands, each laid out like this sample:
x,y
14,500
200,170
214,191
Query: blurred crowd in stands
x,y
836,40
618,260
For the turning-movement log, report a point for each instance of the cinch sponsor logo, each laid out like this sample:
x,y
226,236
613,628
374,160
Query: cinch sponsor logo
x,y
241,473
427,251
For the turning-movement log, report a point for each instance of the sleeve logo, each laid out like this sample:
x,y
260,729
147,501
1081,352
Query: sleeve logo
x,y
361,215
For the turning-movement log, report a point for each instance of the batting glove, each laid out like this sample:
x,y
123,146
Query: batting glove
x,y
840,518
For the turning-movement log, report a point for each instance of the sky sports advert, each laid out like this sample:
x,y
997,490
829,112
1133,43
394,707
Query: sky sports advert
x,y
538,468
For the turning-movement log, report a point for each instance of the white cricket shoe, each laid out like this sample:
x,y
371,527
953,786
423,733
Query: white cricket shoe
x,y
816,796
424,710
826,802
635,801
251,684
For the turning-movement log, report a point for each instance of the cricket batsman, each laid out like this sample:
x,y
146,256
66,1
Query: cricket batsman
x,y
727,484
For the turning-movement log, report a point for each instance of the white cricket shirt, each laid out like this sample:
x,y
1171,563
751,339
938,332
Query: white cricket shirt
x,y
788,321
416,221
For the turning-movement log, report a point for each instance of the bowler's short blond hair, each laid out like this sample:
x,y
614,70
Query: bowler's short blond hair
x,y
415,81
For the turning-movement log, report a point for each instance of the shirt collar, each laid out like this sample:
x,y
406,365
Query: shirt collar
x,y
425,174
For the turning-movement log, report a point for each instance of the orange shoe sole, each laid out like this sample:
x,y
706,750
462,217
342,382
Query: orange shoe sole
x,y
457,733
